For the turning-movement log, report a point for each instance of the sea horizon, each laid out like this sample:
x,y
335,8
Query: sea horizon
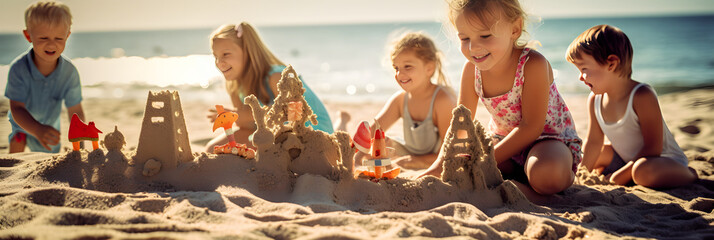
x,y
346,62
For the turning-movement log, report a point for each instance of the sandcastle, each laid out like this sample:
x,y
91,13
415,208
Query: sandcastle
x,y
290,149
291,159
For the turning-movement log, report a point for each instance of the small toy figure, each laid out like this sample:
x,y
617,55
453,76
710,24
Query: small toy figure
x,y
294,111
225,120
379,154
79,131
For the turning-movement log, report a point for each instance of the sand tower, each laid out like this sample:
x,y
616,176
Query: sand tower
x,y
163,132
468,154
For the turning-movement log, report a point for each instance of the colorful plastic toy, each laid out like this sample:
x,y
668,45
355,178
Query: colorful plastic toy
x,y
79,131
294,111
363,137
379,156
225,120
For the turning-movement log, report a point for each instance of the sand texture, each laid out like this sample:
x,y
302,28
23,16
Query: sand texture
x,y
300,185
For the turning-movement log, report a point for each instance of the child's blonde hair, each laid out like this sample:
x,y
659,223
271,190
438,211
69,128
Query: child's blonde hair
x,y
258,60
600,42
47,12
424,48
490,12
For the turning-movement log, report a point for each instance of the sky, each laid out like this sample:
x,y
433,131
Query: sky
x,y
116,15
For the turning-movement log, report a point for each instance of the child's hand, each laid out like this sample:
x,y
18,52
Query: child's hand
x,y
212,114
47,135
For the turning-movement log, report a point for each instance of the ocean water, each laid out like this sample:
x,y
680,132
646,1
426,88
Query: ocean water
x,y
347,63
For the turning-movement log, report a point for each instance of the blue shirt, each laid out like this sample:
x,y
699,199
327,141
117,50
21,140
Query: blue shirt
x,y
42,95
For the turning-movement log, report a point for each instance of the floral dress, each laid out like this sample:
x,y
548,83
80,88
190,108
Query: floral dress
x,y
505,113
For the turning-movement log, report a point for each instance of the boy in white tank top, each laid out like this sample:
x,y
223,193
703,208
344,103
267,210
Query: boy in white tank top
x,y
642,149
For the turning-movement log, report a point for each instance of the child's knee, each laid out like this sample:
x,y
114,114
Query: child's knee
x,y
553,183
660,172
550,176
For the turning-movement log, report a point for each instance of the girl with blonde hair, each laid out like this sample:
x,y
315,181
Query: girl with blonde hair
x,y
249,67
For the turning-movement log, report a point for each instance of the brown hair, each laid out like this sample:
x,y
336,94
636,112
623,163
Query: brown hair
x,y
258,60
509,10
48,12
424,48
600,42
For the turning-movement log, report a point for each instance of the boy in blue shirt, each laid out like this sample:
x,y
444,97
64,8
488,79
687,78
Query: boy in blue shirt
x,y
40,79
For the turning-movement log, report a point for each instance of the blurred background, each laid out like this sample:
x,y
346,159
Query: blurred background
x,y
122,48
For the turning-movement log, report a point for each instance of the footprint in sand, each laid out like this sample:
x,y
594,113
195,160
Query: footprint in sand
x,y
71,197
691,127
8,162
701,204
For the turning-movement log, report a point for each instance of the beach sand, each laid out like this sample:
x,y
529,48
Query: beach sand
x,y
93,195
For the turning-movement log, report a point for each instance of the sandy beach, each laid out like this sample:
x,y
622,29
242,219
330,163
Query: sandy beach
x,y
93,195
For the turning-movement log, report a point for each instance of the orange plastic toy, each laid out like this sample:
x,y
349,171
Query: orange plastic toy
x,y
225,120
79,131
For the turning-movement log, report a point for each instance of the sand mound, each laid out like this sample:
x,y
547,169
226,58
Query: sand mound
x,y
300,185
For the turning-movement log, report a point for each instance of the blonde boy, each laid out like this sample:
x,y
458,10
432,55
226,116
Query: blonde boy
x,y
642,149
40,79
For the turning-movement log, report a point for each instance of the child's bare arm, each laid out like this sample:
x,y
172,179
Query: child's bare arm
x,y
76,109
534,100
443,112
391,112
467,93
649,114
47,135
594,142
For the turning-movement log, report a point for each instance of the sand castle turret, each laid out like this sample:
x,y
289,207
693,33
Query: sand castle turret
x,y
163,135
290,90
291,147
468,160
468,154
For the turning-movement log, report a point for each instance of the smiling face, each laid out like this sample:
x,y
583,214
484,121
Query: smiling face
x,y
593,74
485,44
410,71
229,58
48,41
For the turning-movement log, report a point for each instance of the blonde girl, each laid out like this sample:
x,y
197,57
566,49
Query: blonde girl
x,y
424,104
536,142
249,67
